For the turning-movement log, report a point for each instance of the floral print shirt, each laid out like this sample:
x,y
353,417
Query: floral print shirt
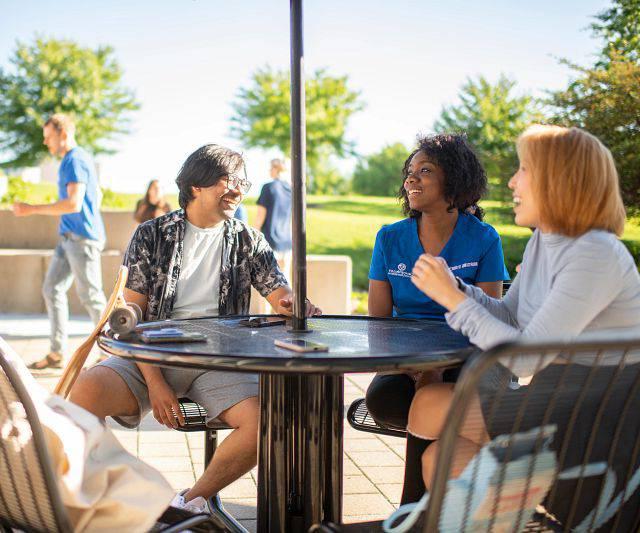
x,y
154,257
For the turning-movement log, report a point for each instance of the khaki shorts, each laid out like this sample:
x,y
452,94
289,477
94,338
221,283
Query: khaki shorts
x,y
214,390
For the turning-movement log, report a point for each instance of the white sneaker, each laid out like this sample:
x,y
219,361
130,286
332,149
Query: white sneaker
x,y
197,505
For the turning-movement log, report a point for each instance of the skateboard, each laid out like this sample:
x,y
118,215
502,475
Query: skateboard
x,y
116,303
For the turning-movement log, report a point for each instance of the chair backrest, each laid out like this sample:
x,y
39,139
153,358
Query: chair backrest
x,y
29,495
582,404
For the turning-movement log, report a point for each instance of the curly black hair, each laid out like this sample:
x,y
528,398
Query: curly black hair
x,y
465,180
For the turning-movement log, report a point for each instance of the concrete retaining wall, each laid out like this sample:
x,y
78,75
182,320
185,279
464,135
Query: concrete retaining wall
x,y
22,273
41,232
328,286
27,243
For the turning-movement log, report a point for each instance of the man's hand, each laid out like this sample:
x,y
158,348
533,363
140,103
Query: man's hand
x,y
432,276
21,209
164,404
285,307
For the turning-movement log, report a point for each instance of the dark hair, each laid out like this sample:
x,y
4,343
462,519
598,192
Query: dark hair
x,y
465,180
147,200
204,168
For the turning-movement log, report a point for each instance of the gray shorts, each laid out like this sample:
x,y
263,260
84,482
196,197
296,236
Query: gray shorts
x,y
214,390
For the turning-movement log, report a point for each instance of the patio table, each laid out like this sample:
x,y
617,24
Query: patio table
x,y
301,394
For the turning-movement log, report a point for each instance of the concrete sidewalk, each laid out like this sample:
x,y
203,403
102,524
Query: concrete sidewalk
x,y
373,465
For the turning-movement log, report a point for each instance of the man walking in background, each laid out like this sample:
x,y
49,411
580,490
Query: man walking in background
x,y
274,215
82,235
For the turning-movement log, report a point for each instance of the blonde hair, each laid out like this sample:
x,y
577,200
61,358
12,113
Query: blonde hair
x,y
61,122
574,180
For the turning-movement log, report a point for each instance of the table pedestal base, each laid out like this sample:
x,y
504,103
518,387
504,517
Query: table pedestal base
x,y
300,452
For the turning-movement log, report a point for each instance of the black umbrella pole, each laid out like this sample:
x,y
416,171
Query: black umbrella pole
x,y
298,167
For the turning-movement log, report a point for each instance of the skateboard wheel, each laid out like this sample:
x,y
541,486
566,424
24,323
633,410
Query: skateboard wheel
x,y
137,310
123,320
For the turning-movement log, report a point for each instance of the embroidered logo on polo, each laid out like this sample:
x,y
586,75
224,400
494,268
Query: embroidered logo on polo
x,y
401,270
463,265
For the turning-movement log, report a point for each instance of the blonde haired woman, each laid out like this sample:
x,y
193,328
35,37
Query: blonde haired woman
x,y
576,277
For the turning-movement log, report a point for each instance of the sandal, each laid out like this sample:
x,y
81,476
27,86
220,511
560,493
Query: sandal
x,y
51,360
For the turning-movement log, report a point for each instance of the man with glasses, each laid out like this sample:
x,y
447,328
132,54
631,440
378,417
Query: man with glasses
x,y
197,261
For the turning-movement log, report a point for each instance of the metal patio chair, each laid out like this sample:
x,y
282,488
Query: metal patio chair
x,y
29,496
195,417
581,406
194,420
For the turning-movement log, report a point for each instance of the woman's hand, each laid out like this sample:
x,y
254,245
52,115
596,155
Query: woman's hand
x,y
432,276
164,404
285,307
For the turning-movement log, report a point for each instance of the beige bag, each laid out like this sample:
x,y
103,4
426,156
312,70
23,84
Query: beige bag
x,y
103,487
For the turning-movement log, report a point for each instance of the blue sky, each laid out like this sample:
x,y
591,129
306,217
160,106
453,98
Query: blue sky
x,y
186,60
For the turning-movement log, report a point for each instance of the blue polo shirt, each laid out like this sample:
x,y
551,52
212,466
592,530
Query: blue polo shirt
x,y
77,167
473,253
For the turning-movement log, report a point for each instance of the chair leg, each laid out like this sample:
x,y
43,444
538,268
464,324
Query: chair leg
x,y
210,445
218,510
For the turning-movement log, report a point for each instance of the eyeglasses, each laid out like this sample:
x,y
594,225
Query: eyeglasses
x,y
236,181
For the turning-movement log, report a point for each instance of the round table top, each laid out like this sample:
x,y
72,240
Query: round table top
x,y
355,344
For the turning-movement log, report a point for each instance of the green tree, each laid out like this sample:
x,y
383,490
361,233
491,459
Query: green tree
x,y
51,76
492,118
327,178
379,174
619,27
262,115
605,99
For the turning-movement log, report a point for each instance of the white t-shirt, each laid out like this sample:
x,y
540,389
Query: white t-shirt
x,y
198,288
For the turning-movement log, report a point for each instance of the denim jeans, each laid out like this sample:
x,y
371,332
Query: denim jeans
x,y
79,258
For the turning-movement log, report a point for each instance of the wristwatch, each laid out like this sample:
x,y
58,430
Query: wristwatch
x,y
460,283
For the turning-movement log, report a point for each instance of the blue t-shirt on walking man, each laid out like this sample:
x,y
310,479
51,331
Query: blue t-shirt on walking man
x,y
77,167
473,253
275,197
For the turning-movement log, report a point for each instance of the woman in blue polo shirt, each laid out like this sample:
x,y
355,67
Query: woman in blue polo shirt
x,y
443,181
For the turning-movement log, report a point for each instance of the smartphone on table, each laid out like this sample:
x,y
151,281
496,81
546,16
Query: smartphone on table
x,y
301,345
154,336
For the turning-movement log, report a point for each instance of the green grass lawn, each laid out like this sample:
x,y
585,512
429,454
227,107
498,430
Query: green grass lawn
x,y
347,225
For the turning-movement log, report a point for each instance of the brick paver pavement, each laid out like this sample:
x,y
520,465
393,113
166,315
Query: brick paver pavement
x,y
373,465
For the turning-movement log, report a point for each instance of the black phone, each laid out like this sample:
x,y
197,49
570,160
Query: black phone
x,y
263,321
301,345
154,336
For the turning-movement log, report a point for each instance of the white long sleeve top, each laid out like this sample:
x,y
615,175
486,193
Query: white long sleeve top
x,y
567,287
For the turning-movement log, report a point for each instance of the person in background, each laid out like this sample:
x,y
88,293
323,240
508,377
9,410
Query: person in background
x,y
442,182
273,217
82,236
152,205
